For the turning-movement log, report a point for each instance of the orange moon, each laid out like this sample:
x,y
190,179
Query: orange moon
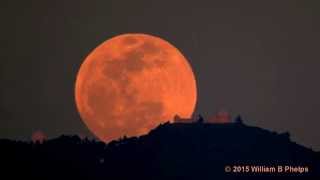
x,y
131,83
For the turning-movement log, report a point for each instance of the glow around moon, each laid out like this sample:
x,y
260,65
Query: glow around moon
x,y
132,83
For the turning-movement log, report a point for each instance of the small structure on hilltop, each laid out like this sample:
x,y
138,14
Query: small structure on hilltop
x,y
221,117
178,119
38,137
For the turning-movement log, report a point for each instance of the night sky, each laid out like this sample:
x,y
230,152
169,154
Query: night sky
x,y
258,59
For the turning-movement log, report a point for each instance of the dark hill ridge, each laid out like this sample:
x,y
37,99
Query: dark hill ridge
x,y
170,151
239,140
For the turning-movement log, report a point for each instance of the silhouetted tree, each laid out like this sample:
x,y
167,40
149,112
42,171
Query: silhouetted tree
x,y
285,135
238,120
200,119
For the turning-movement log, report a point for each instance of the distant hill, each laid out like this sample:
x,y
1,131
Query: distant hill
x,y
170,151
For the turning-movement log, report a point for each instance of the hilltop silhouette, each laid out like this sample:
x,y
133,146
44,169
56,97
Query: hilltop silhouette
x,y
170,151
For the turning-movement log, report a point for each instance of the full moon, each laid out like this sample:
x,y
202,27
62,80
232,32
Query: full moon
x,y
131,83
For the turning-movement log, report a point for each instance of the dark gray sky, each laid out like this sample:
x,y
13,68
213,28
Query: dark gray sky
x,y
259,59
